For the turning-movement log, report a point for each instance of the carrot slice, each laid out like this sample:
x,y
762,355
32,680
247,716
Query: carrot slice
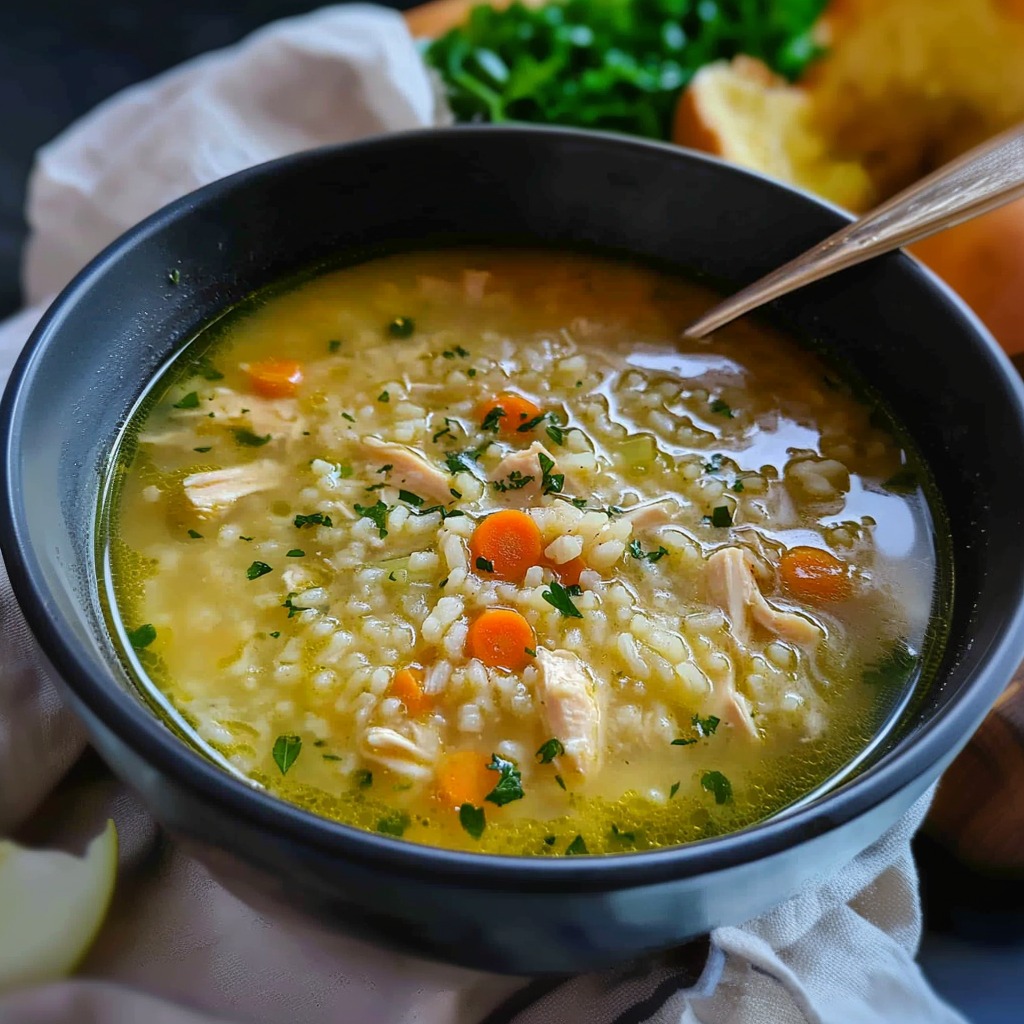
x,y
407,686
815,574
501,638
516,412
275,378
507,541
568,573
464,778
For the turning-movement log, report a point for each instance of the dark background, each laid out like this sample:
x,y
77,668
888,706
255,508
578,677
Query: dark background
x,y
59,58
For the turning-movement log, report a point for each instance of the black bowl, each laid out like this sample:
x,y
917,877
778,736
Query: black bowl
x,y
118,322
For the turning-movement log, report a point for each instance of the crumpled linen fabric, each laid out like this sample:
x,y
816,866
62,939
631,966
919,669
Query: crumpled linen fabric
x,y
176,947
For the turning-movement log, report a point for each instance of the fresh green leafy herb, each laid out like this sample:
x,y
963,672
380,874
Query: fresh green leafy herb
x,y
383,397
363,778
394,824
555,432
313,519
905,481
195,534
409,498
376,487
651,556
682,741
332,757
560,781
333,345
721,516
454,493
673,789
512,482
574,590
174,276
275,634
286,750
484,565
293,609
622,836
256,570
346,416
295,553
525,428
717,783
246,437
550,840
530,652
714,464
510,785
893,669
443,583
576,847
386,468
549,750
377,514
142,636
461,462
203,451
189,401
722,408
472,819
558,597
738,486
440,434
245,538
402,327
551,483
471,372
705,726
490,421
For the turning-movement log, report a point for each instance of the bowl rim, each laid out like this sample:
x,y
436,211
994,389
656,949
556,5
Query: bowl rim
x,y
128,719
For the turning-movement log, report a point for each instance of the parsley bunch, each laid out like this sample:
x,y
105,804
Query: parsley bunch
x,y
617,65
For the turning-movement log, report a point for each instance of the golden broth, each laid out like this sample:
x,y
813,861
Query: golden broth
x,y
296,554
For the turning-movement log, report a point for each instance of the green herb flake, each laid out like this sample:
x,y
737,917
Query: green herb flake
x,y
346,416
560,781
490,421
293,609
275,634
203,451
471,372
576,847
513,482
551,483
409,498
550,840
549,750
394,824
313,519
622,836
332,757
484,565
246,437
286,750
721,517
705,726
461,462
894,669
383,397
440,434
363,778
443,583
510,785
722,408
454,493
143,636
559,597
673,789
377,514
525,428
717,783
333,345
195,534
189,401
472,819
174,277
738,486
295,553
682,741
530,652
714,464
245,538
256,570
651,556
402,327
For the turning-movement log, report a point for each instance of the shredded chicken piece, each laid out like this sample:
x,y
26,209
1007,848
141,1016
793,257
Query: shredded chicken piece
x,y
727,703
279,417
527,464
567,695
410,469
732,586
218,488
651,514
396,753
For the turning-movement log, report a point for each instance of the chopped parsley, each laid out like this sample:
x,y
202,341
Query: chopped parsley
x,y
560,781
673,789
377,514
443,583
293,609
275,634
245,538
681,741
440,434
331,757
458,351
195,534
313,519
525,428
402,327
484,565
143,636
295,553
490,421
717,783
286,750
256,570
549,750
333,345
738,486
576,847
383,397
203,451
446,513
246,437
651,556
174,276
472,820
395,823
721,516
905,481
471,372
893,669
454,493
386,468
346,416
189,401
513,482
551,483
550,840
622,836
363,778
461,462
510,785
409,498
559,597
706,726
714,464
722,408
555,433
530,652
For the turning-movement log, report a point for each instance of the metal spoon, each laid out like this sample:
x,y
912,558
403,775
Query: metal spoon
x,y
982,179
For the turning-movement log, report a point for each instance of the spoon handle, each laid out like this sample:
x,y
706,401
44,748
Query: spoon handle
x,y
982,179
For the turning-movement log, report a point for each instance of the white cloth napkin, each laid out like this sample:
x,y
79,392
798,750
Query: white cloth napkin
x,y
178,949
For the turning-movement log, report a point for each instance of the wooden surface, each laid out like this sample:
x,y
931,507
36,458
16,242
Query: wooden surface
x,y
978,814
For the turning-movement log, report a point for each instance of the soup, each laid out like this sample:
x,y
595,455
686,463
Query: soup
x,y
470,547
